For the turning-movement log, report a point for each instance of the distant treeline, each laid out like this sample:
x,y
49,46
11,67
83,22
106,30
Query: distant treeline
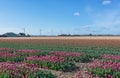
x,y
11,34
87,35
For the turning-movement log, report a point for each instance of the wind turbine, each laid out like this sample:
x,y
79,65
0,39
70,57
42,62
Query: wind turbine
x,y
40,32
23,30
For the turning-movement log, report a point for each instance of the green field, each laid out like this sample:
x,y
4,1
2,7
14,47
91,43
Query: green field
x,y
75,59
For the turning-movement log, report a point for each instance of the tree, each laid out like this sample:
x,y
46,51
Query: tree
x,y
22,34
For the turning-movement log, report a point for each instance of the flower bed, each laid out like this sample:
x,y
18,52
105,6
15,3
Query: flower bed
x,y
72,56
104,69
51,62
76,54
6,56
6,49
107,67
110,57
25,52
8,70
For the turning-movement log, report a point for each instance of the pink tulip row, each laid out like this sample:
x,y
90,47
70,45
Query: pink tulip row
x,y
105,65
5,49
66,53
98,68
47,58
13,65
111,57
7,54
96,65
5,66
16,69
27,51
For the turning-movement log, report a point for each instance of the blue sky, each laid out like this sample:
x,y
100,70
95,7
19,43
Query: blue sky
x,y
60,16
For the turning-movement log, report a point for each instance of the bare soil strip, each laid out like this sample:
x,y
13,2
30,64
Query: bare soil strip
x,y
86,37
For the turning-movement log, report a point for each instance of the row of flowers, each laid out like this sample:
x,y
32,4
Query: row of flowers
x,y
72,56
111,57
22,51
5,49
51,62
6,56
63,61
25,52
17,70
58,53
69,56
107,67
9,54
47,58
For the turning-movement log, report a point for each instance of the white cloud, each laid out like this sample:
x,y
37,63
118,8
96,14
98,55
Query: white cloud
x,y
107,22
106,2
109,18
76,14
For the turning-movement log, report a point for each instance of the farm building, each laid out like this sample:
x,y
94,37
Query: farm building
x,y
10,34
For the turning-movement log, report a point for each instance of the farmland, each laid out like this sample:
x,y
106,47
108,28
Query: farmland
x,y
60,57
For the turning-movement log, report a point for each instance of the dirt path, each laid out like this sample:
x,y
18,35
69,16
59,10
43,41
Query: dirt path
x,y
80,67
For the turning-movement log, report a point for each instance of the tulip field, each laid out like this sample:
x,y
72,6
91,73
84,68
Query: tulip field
x,y
60,57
